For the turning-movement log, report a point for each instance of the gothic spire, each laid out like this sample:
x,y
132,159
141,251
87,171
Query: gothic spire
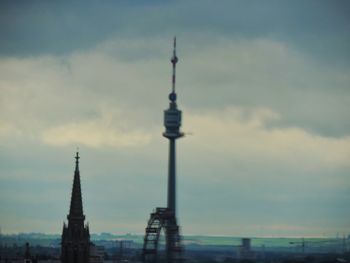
x,y
76,204
75,245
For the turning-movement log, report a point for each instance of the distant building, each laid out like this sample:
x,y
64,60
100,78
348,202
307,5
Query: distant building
x,y
75,245
27,256
97,254
245,251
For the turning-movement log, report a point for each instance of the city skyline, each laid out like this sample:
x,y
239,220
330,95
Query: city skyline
x,y
264,90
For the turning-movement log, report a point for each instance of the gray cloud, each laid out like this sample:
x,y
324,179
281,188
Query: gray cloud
x,y
36,27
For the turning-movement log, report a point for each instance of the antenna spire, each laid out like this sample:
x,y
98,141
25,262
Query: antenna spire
x,y
174,60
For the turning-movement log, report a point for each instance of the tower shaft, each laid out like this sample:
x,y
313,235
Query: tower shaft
x,y
171,176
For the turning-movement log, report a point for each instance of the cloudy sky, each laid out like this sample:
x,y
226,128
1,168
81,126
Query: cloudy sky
x,y
264,89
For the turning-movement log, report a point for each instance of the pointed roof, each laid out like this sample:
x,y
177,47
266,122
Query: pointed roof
x,y
76,203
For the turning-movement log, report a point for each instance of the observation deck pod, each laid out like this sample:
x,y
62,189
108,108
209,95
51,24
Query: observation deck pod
x,y
172,121
162,218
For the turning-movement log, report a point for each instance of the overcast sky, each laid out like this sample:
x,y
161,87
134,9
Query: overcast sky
x,y
265,91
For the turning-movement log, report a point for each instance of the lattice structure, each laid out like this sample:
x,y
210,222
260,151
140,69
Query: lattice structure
x,y
162,219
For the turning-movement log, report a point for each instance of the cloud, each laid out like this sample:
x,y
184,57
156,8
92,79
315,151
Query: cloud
x,y
83,25
118,72
40,95
95,133
270,125
6,129
267,73
246,133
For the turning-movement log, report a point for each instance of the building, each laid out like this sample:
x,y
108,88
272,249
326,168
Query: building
x,y
245,251
75,243
165,217
97,254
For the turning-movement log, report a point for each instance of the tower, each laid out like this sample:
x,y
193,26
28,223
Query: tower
x,y
172,123
75,244
165,218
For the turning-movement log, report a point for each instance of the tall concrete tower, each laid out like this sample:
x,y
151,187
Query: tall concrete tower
x,y
165,218
172,123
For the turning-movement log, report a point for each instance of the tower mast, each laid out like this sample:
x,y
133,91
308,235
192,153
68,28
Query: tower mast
x,y
174,60
172,123
165,218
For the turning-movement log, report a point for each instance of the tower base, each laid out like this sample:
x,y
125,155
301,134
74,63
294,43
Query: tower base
x,y
162,219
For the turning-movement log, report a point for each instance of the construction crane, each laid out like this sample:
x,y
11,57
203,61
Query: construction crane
x,y
302,243
331,242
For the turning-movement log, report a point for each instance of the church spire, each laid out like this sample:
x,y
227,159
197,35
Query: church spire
x,y
76,204
77,162
75,245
